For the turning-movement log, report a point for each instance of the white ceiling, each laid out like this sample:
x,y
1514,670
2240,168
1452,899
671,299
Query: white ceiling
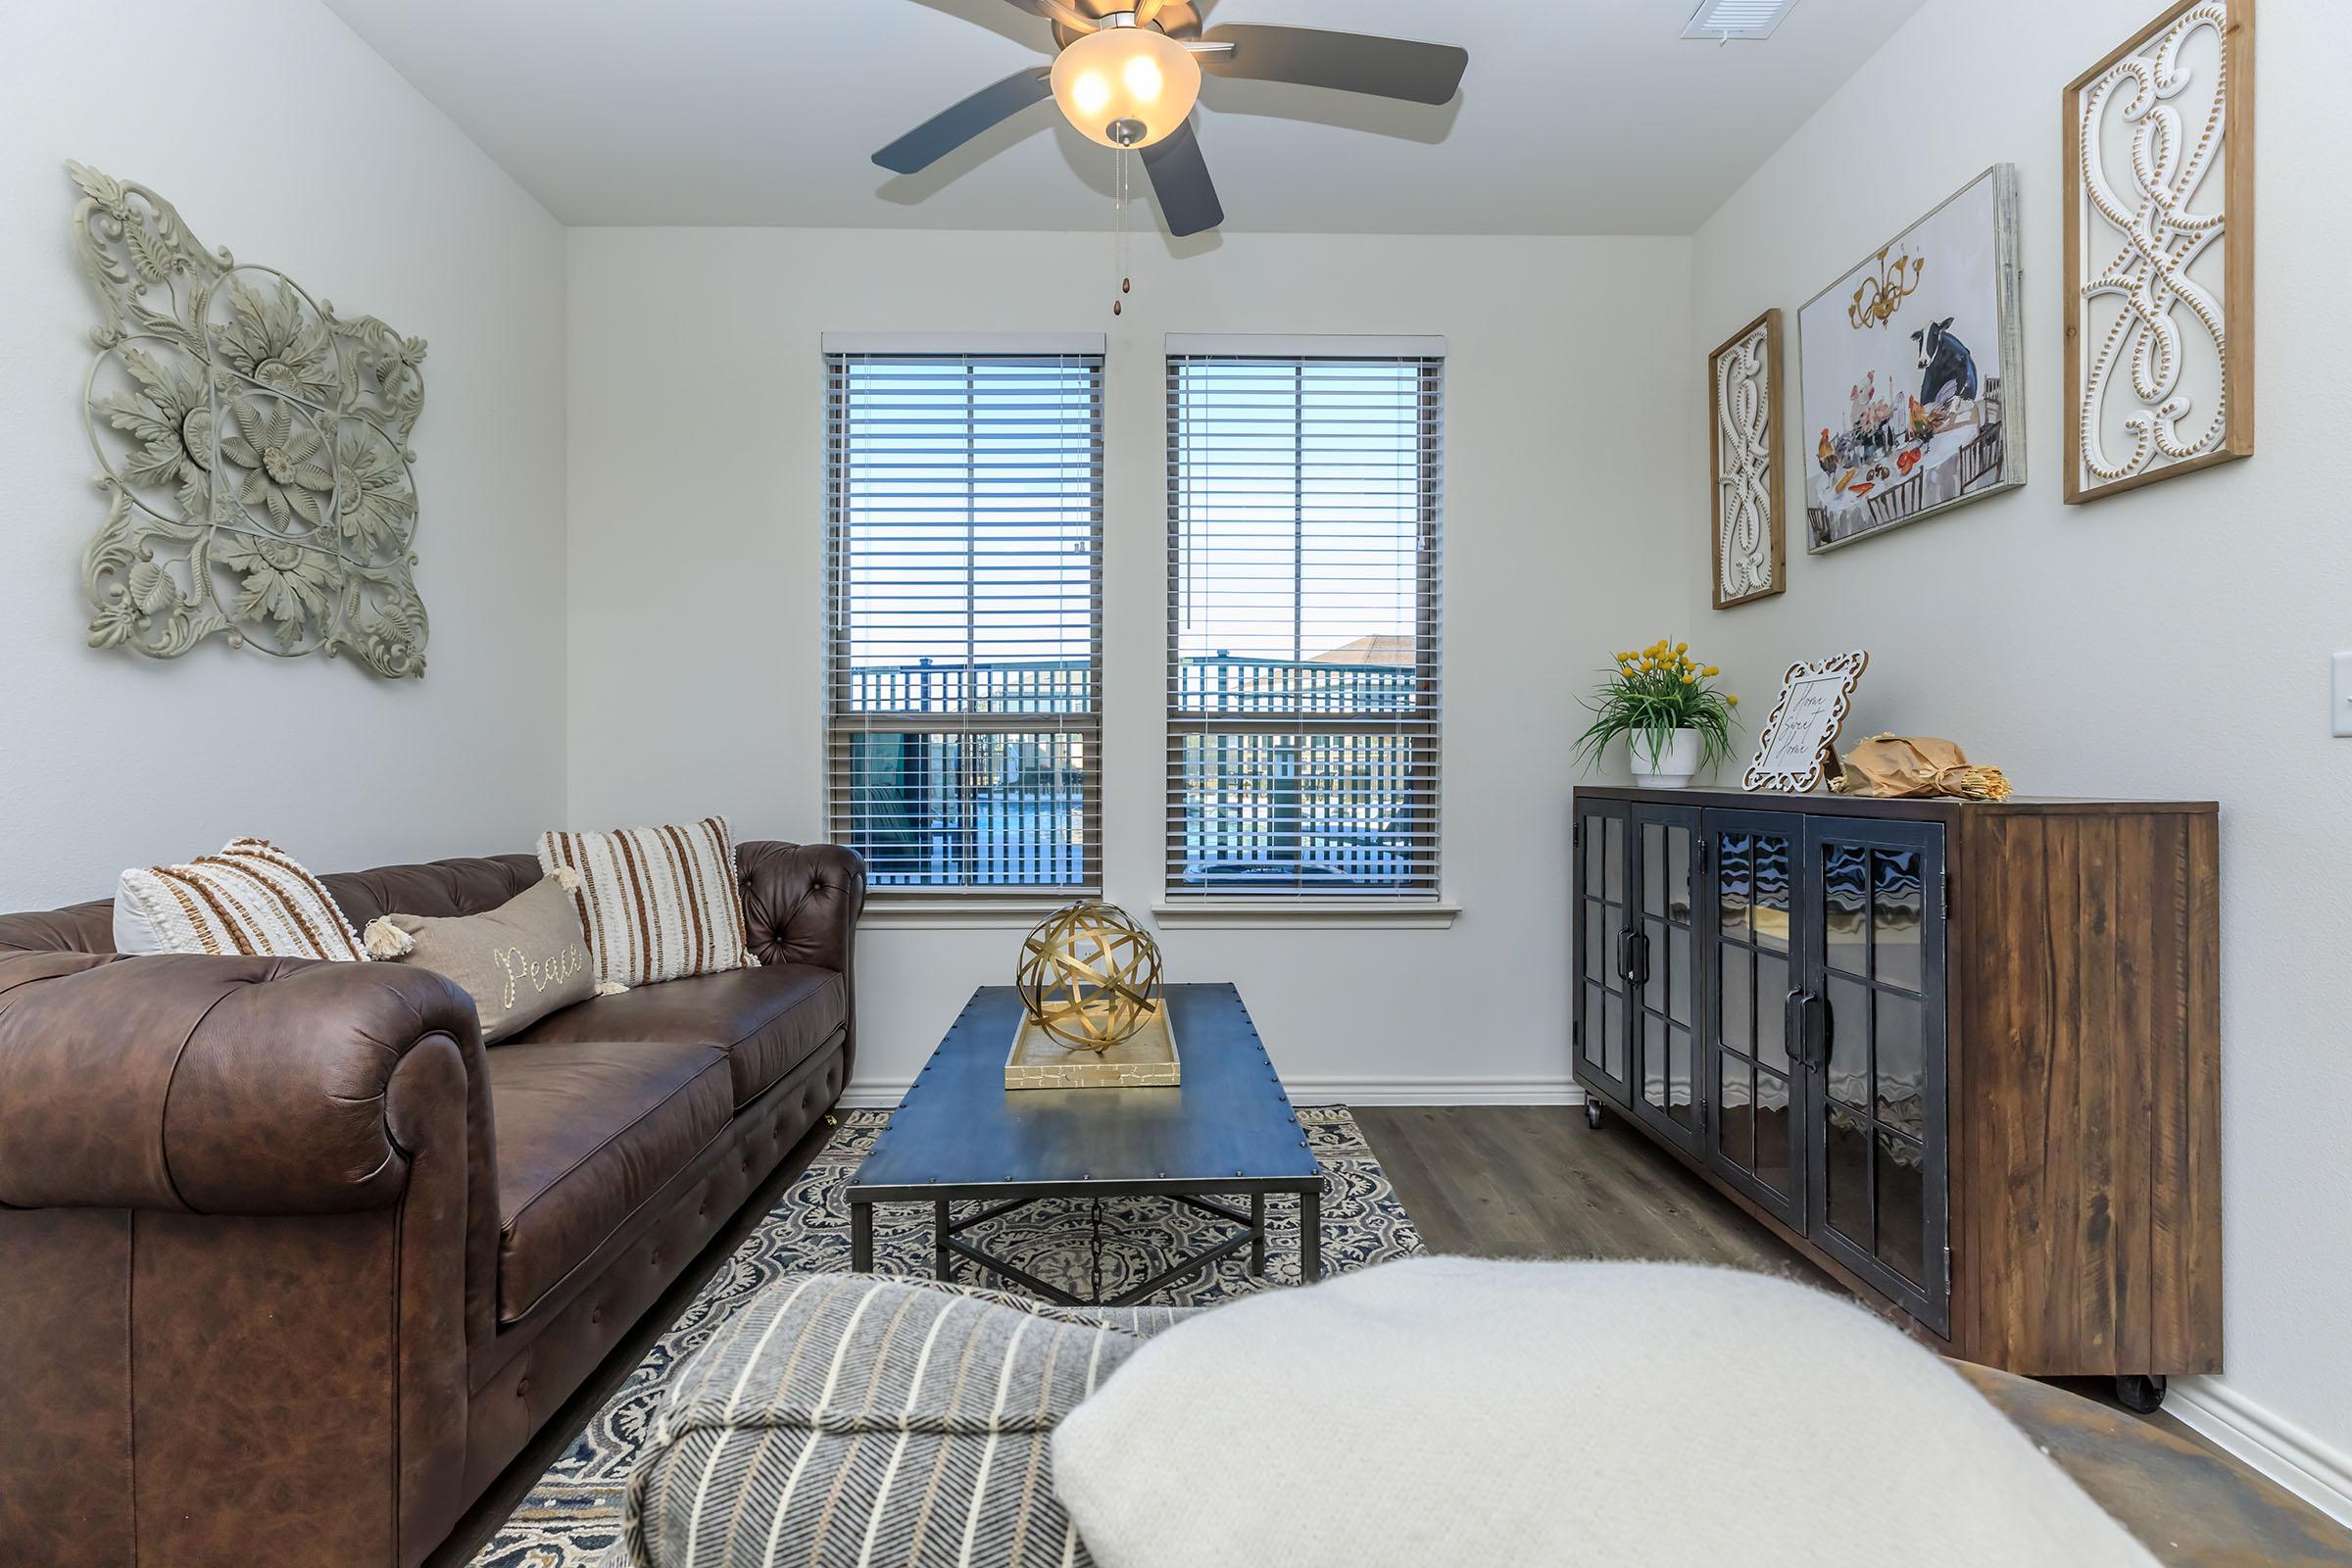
x,y
1576,117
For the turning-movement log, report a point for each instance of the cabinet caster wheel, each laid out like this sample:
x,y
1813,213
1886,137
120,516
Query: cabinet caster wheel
x,y
1592,1115
2141,1396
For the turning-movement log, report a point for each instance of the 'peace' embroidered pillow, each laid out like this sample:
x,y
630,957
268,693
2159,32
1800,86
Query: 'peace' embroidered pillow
x,y
519,962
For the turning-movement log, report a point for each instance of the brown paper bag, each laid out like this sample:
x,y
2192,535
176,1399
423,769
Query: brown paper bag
x,y
1912,765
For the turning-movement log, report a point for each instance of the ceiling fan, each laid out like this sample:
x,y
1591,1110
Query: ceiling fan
x,y
1128,79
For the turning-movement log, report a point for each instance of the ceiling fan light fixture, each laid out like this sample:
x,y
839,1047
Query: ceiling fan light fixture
x,y
1124,85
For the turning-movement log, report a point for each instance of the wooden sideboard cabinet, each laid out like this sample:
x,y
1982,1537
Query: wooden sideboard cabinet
x,y
1965,1057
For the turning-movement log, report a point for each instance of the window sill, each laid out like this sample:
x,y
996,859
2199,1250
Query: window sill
x,y
963,915
1294,914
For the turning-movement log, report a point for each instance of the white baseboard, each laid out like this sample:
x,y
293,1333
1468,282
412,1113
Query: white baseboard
x,y
875,1094
2314,1470
1410,1091
886,1092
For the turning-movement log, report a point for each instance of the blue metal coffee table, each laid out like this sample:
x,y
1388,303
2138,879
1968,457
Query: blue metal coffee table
x,y
1229,1130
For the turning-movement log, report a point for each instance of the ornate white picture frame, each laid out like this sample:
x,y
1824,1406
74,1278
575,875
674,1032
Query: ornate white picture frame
x,y
1744,397
1795,746
2159,252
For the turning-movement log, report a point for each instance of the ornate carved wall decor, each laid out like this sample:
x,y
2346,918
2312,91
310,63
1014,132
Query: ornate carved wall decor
x,y
2159,252
1743,390
253,446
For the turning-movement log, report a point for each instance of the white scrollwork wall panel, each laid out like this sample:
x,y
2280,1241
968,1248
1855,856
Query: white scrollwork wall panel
x,y
2158,301
253,447
1744,391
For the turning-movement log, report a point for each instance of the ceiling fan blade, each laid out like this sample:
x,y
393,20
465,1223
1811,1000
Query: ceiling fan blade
x,y
950,128
1352,61
1069,16
1188,197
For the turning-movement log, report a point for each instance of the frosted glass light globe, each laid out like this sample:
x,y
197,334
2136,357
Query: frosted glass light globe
x,y
1126,86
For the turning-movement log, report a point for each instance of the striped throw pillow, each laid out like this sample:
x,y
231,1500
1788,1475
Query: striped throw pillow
x,y
658,902
251,898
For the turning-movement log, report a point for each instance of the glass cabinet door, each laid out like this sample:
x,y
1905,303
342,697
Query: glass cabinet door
x,y
1753,859
1875,1042
1666,997
1603,926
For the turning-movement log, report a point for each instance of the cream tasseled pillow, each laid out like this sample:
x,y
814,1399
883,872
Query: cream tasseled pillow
x,y
658,902
251,898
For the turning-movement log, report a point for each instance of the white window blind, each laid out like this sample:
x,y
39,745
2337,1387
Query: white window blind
x,y
964,626
1305,494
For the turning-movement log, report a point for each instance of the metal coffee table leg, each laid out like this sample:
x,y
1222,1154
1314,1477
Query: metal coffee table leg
x,y
1310,1236
943,1259
1258,1233
861,1236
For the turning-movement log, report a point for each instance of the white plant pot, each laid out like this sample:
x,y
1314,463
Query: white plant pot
x,y
1675,764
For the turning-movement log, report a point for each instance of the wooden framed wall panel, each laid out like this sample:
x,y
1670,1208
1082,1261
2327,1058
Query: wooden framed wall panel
x,y
1748,542
2204,200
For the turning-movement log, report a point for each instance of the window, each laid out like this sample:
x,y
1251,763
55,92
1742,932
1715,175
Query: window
x,y
1304,499
963,628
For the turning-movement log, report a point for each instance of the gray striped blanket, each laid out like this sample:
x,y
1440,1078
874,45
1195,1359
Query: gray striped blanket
x,y
858,1421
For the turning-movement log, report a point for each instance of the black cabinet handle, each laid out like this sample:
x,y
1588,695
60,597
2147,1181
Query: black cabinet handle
x,y
1637,971
1805,1026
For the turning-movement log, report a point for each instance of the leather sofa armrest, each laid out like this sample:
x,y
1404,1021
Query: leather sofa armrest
x,y
219,1085
802,900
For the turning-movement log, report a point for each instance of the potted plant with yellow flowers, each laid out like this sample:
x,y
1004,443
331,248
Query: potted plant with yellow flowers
x,y
1674,722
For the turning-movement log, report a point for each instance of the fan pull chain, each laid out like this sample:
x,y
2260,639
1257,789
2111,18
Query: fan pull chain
x,y
1119,226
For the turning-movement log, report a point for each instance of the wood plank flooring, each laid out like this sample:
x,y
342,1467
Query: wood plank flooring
x,y
1532,1181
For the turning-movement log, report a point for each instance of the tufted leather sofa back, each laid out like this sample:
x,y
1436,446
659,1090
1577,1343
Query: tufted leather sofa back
x,y
466,886
794,897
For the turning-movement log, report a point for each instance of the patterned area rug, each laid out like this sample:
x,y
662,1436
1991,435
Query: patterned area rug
x,y
573,1514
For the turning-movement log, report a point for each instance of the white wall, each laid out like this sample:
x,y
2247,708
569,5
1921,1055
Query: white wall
x,y
279,134
697,489
2169,642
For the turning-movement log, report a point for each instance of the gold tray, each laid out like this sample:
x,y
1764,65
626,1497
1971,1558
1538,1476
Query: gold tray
x,y
1144,1060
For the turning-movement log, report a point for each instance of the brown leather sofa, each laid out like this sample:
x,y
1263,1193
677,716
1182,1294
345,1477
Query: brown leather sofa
x,y
292,1267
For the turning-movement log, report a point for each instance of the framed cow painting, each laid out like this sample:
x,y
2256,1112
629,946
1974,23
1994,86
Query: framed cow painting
x,y
1911,372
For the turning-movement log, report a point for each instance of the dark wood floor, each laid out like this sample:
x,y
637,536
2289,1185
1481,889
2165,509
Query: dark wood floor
x,y
1532,1181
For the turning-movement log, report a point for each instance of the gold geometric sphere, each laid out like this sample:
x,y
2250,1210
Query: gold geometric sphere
x,y
1089,975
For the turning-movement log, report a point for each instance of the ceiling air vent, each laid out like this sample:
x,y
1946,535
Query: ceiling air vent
x,y
1722,20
